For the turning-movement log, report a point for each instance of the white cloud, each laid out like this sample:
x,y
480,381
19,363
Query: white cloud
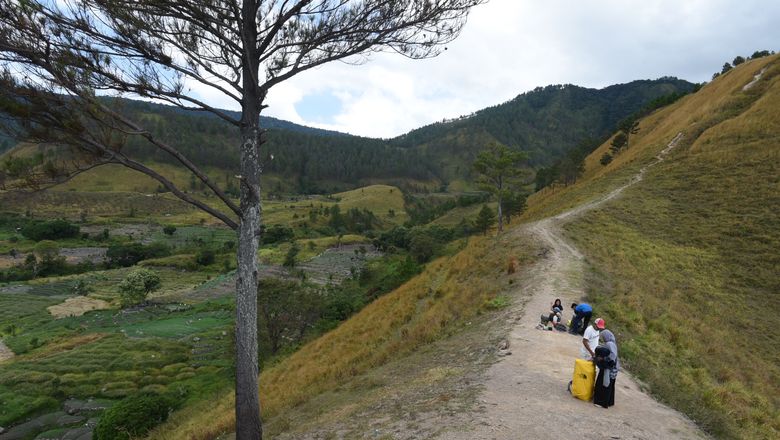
x,y
511,46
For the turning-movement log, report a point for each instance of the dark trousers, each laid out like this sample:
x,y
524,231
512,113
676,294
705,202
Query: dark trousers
x,y
604,396
580,322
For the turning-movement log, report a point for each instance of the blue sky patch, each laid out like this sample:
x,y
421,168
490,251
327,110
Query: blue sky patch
x,y
319,107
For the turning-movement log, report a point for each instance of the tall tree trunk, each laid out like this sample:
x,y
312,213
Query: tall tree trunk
x,y
248,423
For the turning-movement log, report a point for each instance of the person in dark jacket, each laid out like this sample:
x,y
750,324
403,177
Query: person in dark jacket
x,y
609,365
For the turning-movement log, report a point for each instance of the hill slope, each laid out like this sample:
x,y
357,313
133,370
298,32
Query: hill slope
x,y
685,262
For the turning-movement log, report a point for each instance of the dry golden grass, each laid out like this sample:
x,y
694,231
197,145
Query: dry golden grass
x,y
435,303
685,263
687,115
77,306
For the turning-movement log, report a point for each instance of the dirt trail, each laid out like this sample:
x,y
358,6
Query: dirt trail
x,y
525,393
5,352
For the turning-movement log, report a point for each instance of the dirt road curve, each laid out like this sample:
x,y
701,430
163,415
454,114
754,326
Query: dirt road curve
x,y
525,393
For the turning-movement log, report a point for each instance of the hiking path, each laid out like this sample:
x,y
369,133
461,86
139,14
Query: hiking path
x,y
525,395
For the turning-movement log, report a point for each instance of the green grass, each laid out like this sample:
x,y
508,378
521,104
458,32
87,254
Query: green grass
x,y
179,326
111,355
196,236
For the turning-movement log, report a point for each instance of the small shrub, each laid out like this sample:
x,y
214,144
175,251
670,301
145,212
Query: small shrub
x,y
205,257
169,229
134,416
277,234
137,285
50,230
292,253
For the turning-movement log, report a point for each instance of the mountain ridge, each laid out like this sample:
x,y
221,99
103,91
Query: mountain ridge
x,y
546,122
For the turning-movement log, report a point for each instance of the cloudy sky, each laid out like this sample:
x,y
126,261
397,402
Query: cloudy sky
x,y
512,46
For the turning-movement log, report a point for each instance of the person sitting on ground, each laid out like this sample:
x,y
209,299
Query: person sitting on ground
x,y
555,308
554,320
590,339
582,315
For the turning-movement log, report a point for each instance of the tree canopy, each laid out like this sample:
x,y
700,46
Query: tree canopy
x,y
503,172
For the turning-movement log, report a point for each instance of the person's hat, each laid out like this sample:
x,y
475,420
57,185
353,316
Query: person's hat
x,y
599,324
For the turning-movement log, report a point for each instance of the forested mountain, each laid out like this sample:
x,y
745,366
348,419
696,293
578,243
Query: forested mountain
x,y
306,155
547,122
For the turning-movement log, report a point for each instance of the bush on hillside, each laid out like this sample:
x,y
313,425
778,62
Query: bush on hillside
x,y
169,229
485,219
277,234
50,230
134,416
423,242
205,257
137,286
125,255
286,309
423,247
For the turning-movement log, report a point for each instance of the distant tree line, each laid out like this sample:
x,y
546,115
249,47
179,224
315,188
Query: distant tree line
x,y
739,59
308,157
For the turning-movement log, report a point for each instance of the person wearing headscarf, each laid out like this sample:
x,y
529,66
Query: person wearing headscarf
x,y
609,365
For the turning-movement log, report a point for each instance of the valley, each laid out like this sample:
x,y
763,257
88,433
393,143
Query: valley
x,y
389,306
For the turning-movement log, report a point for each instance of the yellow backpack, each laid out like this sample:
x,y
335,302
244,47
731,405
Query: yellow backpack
x,y
581,385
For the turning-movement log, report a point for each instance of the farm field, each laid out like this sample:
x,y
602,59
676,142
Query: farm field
x,y
74,349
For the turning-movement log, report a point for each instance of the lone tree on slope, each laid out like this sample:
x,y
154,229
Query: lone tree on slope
x,y
502,173
62,59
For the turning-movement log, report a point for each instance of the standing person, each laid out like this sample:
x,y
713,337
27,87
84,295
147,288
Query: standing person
x,y
582,314
590,339
609,365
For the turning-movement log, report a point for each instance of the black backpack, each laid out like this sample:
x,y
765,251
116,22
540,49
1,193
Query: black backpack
x,y
602,357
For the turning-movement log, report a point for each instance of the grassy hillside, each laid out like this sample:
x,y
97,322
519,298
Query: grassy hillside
x,y
685,263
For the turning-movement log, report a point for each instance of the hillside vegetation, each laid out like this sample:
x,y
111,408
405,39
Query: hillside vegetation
x,y
546,122
685,263
434,304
